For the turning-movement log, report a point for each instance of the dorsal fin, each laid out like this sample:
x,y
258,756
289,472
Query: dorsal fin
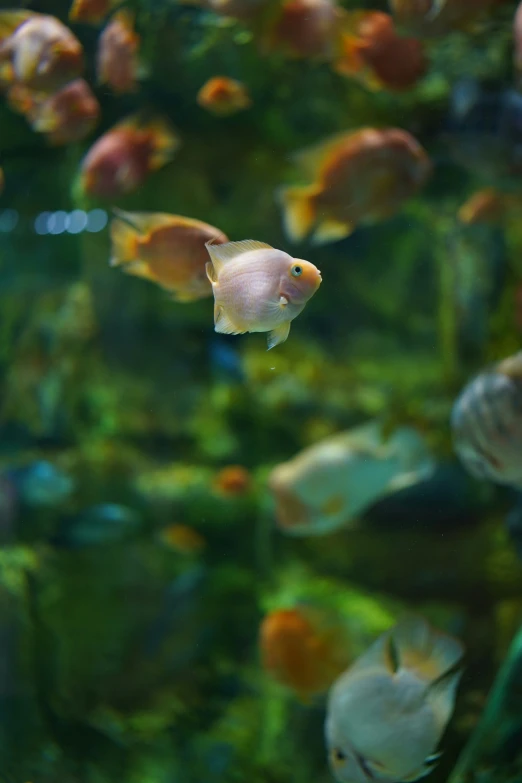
x,y
221,254
428,653
310,159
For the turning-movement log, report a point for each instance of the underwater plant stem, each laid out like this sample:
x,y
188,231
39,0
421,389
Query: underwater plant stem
x,y
447,313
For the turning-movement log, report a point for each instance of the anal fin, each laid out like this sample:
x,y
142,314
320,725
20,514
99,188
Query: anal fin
x,y
278,335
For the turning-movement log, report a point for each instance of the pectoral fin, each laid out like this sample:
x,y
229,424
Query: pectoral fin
x,y
278,335
331,231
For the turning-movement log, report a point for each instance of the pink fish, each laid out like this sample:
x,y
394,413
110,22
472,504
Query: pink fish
x,y
258,289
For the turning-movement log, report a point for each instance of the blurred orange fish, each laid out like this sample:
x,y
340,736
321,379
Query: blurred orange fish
x,y
258,289
305,28
67,116
359,177
233,480
223,96
438,17
373,53
117,60
38,51
120,160
490,206
167,249
91,11
302,649
183,539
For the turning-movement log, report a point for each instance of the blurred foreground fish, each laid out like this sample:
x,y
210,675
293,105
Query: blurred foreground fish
x,y
91,11
373,53
120,160
38,51
117,63
105,523
358,177
517,46
303,649
326,486
486,421
258,289
223,96
66,116
387,713
166,249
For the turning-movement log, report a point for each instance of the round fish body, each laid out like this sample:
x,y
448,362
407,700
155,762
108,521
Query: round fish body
x,y
258,288
487,424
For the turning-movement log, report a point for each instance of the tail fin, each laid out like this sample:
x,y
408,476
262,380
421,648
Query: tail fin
x,y
166,142
124,239
299,213
428,653
415,460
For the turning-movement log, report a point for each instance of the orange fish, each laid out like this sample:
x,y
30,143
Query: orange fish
x,y
117,59
438,17
91,11
258,289
489,206
233,480
67,116
120,160
358,177
183,539
38,51
305,28
302,649
373,53
223,96
167,249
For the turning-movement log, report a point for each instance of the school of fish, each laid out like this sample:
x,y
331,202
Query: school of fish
x,y
388,709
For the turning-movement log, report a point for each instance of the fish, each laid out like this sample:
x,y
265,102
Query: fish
x,y
358,177
223,96
120,160
304,29
483,206
303,649
387,713
183,539
168,250
117,63
99,525
326,486
38,51
91,11
233,480
66,116
258,289
43,484
486,423
373,53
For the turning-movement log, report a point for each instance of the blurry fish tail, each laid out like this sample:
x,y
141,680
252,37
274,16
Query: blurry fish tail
x,y
415,460
166,142
124,238
429,654
299,211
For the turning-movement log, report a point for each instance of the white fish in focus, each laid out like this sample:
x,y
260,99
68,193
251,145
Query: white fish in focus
x,y
487,423
386,714
328,484
258,289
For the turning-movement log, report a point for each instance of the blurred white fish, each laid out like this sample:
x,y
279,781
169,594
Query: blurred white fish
x,y
386,714
486,421
258,289
328,484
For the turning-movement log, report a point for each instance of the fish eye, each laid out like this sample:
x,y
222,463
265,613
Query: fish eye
x,y
338,755
297,270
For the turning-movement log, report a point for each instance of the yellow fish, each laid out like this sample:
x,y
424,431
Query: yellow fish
x,y
258,289
387,712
